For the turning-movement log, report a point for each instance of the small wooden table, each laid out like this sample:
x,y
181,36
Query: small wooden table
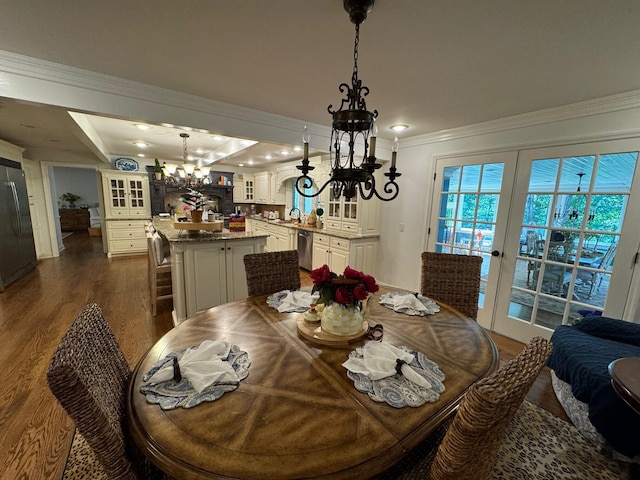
x,y
297,414
625,379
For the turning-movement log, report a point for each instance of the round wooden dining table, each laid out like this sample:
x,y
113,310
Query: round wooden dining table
x,y
297,414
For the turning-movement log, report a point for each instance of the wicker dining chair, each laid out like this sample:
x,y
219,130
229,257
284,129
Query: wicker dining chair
x,y
88,374
470,447
272,272
453,279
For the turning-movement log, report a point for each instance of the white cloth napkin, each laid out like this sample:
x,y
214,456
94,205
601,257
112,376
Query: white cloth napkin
x,y
201,366
406,302
297,300
379,361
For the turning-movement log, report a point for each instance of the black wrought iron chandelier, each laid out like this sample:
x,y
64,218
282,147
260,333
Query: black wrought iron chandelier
x,y
187,175
352,122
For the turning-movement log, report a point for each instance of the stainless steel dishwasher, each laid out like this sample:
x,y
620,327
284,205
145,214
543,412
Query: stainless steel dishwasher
x,y
305,248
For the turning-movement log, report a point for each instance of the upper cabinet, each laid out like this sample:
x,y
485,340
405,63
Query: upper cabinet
x,y
276,190
265,188
262,187
244,188
126,195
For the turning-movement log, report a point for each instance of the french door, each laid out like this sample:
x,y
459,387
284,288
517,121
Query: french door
x,y
470,206
556,234
572,237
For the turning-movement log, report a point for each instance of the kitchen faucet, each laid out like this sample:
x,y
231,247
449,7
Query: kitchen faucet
x,y
291,211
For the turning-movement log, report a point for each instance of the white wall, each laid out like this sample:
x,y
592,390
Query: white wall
x,y
80,181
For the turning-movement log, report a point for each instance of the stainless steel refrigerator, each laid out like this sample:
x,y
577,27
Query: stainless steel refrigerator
x,y
17,249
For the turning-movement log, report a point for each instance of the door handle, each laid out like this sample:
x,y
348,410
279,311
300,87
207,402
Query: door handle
x,y
14,193
495,253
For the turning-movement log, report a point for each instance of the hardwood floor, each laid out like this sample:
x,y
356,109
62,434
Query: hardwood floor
x,y
35,311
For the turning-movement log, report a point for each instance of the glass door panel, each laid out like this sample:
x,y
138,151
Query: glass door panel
x,y
470,192
569,236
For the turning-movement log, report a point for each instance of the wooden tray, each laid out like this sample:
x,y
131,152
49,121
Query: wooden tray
x,y
314,333
215,226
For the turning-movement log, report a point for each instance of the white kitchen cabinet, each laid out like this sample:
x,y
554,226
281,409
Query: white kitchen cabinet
x,y
247,189
262,187
352,215
127,208
261,228
320,250
212,272
280,238
126,195
125,237
338,253
238,189
276,190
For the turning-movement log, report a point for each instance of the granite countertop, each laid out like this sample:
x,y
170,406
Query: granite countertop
x,y
333,233
166,228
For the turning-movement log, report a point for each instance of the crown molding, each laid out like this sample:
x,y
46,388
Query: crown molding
x,y
612,103
64,75
286,129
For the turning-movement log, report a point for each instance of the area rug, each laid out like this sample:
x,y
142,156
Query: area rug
x,y
537,446
82,463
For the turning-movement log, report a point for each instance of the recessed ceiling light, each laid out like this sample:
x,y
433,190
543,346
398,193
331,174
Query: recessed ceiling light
x,y
199,151
141,144
297,149
285,152
141,154
168,125
250,162
268,157
217,138
142,126
241,164
399,127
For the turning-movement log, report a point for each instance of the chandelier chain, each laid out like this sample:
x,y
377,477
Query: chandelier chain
x,y
355,55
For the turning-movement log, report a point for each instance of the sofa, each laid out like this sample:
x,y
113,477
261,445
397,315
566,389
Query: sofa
x,y
581,356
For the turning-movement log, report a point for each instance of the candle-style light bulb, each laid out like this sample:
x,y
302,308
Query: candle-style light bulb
x,y
374,136
394,152
305,140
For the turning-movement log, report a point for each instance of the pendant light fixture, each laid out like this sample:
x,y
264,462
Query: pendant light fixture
x,y
352,123
188,175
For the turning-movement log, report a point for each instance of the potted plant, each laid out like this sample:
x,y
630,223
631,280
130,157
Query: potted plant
x,y
157,170
72,198
195,202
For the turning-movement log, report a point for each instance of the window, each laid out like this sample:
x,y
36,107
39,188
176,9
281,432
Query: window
x,y
305,204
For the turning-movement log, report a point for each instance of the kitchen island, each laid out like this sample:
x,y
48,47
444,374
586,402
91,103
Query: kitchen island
x,y
207,268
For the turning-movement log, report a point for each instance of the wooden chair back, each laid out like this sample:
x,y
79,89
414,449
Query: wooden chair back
x,y
453,279
470,446
271,272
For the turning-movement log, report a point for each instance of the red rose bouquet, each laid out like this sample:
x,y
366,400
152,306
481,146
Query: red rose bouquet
x,y
349,288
